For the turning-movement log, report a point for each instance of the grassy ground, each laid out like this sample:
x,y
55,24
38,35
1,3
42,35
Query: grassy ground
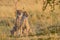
x,y
52,32
5,35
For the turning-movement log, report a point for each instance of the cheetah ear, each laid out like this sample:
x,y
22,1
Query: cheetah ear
x,y
26,14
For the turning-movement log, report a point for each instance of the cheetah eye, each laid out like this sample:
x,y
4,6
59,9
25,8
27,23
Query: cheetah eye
x,y
19,13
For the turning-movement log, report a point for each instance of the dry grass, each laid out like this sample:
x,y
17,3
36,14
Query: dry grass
x,y
45,25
